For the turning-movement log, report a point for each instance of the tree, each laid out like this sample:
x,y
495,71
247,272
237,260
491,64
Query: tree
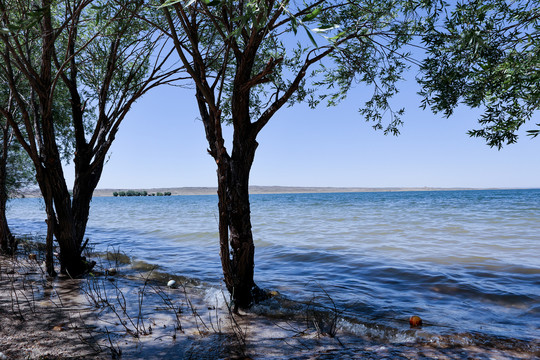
x,y
486,54
7,242
16,169
246,64
106,59
15,174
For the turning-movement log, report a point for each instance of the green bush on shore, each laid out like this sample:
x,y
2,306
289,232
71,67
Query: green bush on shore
x,y
132,193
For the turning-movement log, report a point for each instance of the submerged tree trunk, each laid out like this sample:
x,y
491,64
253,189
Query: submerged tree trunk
x,y
236,239
237,249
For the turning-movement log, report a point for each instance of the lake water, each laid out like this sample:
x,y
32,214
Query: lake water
x,y
467,262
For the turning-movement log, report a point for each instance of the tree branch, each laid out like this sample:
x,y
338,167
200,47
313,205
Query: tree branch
x,y
278,103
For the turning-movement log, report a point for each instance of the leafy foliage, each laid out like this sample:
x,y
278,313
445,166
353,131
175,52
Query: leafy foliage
x,y
16,170
128,38
19,170
486,54
344,43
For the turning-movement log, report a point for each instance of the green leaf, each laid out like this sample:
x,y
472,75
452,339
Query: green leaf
x,y
313,14
294,24
97,7
533,133
322,30
341,34
308,32
235,32
172,2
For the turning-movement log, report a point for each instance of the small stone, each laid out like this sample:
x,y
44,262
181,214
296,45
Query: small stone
x,y
58,327
415,321
111,271
172,284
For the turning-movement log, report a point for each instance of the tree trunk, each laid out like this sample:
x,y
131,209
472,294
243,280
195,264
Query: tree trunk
x,y
236,238
8,245
87,176
69,229
237,249
61,223
51,223
49,240
7,241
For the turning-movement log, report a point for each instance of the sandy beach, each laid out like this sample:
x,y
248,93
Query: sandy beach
x,y
123,310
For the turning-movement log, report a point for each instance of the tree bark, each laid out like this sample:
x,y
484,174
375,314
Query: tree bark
x,y
49,241
71,220
7,241
236,238
237,249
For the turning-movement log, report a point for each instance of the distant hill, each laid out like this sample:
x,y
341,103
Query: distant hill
x,y
257,190
266,190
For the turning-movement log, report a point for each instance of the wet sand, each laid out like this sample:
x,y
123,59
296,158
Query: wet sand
x,y
127,309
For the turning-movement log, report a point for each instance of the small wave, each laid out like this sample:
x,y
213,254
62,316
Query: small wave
x,y
324,317
373,331
217,297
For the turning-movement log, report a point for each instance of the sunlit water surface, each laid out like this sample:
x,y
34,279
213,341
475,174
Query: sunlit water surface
x,y
467,262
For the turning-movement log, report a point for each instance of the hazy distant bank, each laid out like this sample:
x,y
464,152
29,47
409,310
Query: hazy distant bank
x,y
261,190
269,190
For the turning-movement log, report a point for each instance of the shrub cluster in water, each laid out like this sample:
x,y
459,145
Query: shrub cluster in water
x,y
140,193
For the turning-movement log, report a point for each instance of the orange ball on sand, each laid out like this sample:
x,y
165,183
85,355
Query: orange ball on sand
x,y
415,321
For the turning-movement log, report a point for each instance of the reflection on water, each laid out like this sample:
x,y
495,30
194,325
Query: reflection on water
x,y
466,261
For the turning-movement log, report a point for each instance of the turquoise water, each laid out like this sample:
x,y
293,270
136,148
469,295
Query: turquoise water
x,y
467,262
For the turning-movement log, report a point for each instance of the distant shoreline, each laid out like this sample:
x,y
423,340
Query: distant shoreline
x,y
274,190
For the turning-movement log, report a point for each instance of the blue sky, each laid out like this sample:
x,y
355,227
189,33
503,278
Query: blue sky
x,y
161,144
